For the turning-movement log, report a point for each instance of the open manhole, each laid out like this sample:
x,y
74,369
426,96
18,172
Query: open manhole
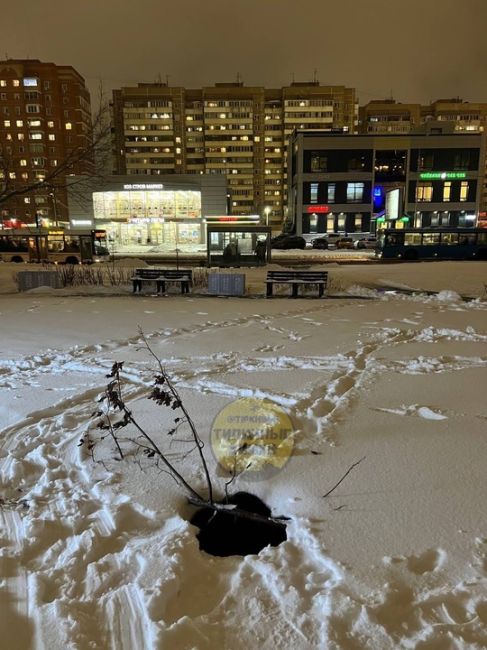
x,y
243,530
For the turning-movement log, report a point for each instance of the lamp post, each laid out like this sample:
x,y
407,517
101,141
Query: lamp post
x,y
52,194
267,211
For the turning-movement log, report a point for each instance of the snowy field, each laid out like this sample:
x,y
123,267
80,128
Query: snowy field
x,y
98,555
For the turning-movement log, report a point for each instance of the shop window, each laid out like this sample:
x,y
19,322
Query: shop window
x,y
313,223
464,191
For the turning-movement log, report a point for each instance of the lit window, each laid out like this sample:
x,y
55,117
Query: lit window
x,y
3,83
25,176
16,82
54,163
464,191
355,192
19,123
20,136
33,122
52,136
313,193
30,81
35,136
50,125
257,138
26,199
446,190
23,162
178,149
6,122
424,192
11,175
68,126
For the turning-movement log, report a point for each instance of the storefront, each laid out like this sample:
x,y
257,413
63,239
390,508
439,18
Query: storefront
x,y
155,214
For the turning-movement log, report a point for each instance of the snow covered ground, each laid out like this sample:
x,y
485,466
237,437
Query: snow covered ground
x,y
101,554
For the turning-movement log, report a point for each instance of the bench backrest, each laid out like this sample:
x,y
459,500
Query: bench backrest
x,y
304,276
164,274
148,274
172,274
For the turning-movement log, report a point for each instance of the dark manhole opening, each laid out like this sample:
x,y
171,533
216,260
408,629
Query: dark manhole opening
x,y
223,532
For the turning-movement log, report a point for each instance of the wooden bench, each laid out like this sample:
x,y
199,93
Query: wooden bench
x,y
295,279
160,277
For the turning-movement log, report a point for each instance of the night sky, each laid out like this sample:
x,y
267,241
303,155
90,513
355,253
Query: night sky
x,y
418,50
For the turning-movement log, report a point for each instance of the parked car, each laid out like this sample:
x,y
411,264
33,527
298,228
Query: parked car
x,y
288,241
365,242
344,242
320,243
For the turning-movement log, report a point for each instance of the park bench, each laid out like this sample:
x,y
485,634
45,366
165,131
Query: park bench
x,y
160,277
296,279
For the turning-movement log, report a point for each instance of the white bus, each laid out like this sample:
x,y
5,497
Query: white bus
x,y
53,245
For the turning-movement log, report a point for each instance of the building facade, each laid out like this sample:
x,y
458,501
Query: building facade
x,y
357,183
389,116
227,129
45,115
150,211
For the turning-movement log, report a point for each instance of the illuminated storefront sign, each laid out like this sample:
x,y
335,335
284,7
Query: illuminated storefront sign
x,y
235,218
146,220
143,186
318,209
431,176
393,204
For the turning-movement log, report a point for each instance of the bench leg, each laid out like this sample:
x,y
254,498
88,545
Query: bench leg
x,y
269,290
137,286
295,290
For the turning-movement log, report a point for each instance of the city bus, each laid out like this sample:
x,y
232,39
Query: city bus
x,y
432,244
55,246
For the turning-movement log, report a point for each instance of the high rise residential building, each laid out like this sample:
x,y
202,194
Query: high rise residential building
x,y
388,116
45,116
232,129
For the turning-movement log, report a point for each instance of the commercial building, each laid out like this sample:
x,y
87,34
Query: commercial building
x,y
227,129
389,116
45,115
356,183
167,210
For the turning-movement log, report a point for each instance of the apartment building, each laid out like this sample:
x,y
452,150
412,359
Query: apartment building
x,y
232,129
389,116
44,115
341,183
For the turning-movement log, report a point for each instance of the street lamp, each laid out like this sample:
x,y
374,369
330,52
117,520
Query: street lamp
x,y
267,211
